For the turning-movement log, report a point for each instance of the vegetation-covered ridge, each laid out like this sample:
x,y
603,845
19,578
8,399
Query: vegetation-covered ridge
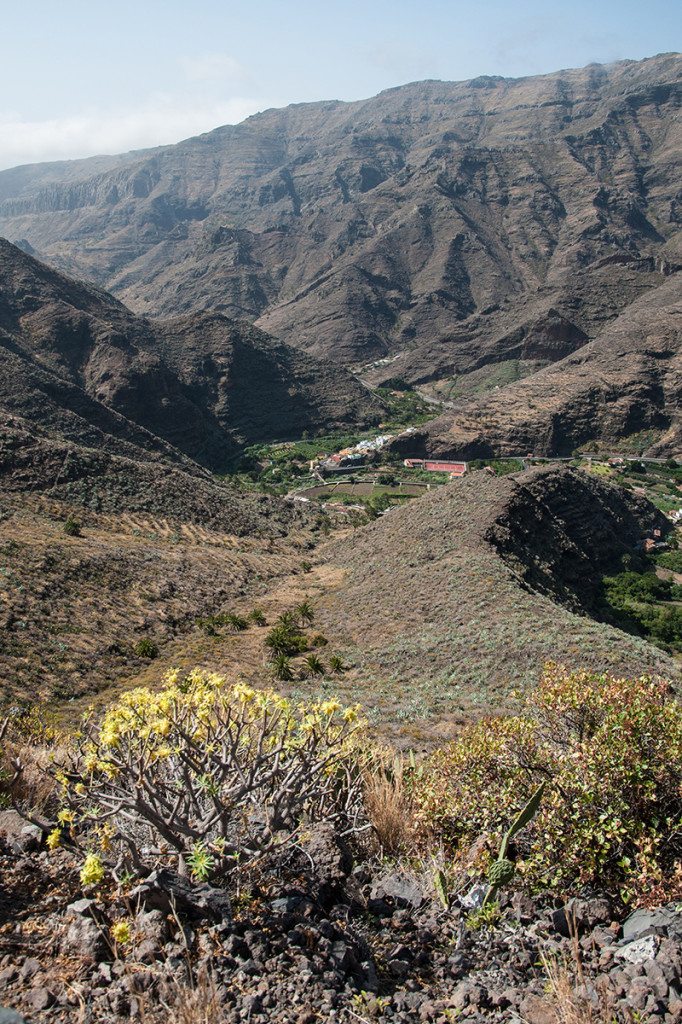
x,y
448,604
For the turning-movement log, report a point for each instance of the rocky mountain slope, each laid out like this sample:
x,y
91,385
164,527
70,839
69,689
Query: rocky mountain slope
x,y
81,366
620,392
450,224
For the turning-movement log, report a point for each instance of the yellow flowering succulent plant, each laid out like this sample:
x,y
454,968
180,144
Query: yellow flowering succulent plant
x,y
201,761
121,933
92,871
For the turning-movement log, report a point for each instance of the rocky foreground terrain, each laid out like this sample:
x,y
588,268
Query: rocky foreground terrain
x,y
329,939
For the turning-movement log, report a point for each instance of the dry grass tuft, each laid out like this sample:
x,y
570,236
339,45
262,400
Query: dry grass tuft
x,y
571,1001
33,787
389,805
197,1003
571,998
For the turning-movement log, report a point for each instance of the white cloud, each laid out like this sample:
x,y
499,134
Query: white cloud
x,y
212,67
160,120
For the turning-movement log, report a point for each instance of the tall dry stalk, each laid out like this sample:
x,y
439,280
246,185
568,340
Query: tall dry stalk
x,y
182,1001
570,998
389,805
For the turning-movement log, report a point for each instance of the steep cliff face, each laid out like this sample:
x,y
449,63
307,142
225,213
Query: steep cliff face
x,y
562,531
620,392
440,225
77,363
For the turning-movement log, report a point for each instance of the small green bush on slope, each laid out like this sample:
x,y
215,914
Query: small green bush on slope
x,y
671,560
640,603
611,753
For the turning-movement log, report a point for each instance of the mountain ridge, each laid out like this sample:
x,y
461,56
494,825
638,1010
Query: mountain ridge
x,y
194,388
440,235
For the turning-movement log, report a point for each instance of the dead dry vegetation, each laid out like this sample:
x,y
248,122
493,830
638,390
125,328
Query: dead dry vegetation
x,y
87,611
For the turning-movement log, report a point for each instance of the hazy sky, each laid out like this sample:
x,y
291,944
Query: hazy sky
x,y
79,77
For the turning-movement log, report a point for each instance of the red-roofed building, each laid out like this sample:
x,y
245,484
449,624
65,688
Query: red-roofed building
x,y
437,466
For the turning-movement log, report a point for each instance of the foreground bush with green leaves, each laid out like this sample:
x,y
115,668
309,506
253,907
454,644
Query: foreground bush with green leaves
x,y
610,751
206,777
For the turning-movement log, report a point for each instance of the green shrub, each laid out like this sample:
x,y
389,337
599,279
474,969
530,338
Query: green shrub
x,y
257,616
611,753
637,602
285,639
635,586
146,648
377,504
314,665
304,613
237,623
212,623
502,467
72,526
670,560
281,668
664,624
208,625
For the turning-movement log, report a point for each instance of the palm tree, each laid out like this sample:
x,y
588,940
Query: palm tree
x,y
304,612
314,665
236,622
284,640
281,668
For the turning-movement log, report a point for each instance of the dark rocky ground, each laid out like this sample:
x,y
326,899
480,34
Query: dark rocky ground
x,y
321,938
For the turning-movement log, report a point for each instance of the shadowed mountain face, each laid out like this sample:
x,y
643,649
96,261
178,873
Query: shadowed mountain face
x,y
81,367
443,226
621,392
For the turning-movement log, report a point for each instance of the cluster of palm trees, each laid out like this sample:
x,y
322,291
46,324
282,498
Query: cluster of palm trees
x,y
287,639
212,624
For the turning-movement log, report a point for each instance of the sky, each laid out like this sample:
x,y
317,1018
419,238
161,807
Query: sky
x,y
80,78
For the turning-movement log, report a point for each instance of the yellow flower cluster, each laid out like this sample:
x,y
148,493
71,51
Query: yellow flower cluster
x,y
54,839
199,702
92,871
121,933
